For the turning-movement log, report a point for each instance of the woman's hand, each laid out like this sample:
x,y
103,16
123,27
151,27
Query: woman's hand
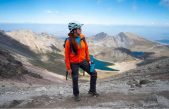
x,y
70,72
89,62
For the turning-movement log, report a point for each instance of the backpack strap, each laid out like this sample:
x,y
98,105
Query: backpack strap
x,y
65,42
71,44
84,39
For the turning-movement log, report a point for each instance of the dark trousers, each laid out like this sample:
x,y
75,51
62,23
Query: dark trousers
x,y
84,65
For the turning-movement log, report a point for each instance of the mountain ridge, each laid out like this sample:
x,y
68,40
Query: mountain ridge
x,y
108,44
39,43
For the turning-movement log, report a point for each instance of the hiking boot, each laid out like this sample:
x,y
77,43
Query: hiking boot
x,y
95,94
77,98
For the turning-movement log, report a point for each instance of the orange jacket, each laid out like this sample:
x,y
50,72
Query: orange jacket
x,y
82,53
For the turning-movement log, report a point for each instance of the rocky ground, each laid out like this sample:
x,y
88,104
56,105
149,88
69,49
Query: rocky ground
x,y
146,86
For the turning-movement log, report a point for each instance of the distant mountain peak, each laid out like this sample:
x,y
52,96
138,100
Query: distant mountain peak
x,y
121,33
100,36
102,33
130,35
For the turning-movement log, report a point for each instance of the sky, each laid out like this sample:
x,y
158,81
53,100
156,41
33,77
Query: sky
x,y
105,12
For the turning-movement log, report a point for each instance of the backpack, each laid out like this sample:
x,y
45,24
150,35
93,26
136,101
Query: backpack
x,y
71,48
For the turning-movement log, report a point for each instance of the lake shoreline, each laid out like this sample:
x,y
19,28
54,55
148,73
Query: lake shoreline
x,y
125,66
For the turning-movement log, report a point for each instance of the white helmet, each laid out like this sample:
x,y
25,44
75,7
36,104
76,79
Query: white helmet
x,y
74,25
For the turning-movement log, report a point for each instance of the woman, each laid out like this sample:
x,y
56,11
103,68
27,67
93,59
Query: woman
x,y
77,56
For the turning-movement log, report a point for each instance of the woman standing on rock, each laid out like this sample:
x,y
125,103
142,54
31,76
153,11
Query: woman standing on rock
x,y
77,56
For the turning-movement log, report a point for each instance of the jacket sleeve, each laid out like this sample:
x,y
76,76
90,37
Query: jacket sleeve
x,y
87,52
67,55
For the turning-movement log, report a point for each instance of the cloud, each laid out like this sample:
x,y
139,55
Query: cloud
x,y
52,11
164,3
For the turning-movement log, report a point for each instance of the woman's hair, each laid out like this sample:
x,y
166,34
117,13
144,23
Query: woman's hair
x,y
73,42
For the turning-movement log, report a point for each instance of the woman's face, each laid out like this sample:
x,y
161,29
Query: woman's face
x,y
78,31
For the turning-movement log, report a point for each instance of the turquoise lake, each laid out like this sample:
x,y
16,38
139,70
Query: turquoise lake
x,y
101,65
